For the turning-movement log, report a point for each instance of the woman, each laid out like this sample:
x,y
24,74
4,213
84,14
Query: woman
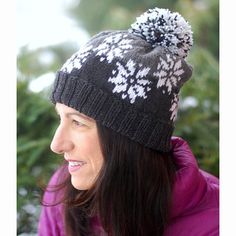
x,y
124,173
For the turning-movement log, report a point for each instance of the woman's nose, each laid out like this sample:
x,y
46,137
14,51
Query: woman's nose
x,y
61,141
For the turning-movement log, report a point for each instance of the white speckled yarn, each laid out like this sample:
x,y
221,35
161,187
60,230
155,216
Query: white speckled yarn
x,y
161,27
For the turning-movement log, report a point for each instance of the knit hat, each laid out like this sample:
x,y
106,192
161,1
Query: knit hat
x,y
129,81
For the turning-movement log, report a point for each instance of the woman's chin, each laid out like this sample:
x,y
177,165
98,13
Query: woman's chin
x,y
79,185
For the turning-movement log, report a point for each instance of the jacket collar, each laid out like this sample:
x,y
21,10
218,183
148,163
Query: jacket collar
x,y
190,185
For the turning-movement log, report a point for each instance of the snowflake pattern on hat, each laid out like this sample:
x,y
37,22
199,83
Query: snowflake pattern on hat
x,y
112,47
128,80
77,59
169,73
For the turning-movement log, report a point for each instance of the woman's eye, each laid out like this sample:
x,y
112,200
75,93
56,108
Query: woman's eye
x,y
77,123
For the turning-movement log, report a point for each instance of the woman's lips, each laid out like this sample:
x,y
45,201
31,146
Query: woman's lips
x,y
75,165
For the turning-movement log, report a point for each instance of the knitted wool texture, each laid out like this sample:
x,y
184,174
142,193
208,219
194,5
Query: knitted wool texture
x,y
129,81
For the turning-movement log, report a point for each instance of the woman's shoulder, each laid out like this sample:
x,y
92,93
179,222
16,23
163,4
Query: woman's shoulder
x,y
204,222
195,205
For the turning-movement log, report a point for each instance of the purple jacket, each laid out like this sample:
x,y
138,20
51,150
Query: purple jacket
x,y
195,206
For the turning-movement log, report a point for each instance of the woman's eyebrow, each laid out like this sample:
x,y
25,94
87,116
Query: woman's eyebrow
x,y
79,115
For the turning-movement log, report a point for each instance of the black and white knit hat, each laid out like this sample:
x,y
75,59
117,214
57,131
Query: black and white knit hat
x,y
130,81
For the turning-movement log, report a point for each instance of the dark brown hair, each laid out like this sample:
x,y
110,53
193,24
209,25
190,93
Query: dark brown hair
x,y
132,193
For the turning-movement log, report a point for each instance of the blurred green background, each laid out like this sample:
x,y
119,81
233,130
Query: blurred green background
x,y
198,117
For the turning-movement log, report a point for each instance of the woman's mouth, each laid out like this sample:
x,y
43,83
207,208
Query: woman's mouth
x,y
75,165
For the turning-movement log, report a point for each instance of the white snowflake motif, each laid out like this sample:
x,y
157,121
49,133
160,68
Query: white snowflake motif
x,y
112,47
76,60
127,83
168,73
174,107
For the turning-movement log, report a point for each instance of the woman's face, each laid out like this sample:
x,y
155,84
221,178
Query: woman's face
x,y
76,137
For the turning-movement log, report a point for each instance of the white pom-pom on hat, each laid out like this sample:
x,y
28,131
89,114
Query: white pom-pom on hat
x,y
161,27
